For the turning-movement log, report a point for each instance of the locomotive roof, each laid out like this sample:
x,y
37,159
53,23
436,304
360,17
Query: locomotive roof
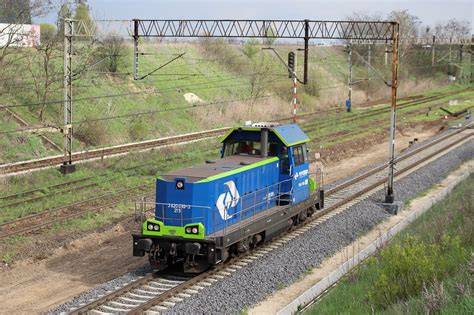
x,y
289,134
220,168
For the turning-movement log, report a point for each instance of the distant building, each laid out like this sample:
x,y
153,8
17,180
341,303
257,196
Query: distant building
x,y
19,35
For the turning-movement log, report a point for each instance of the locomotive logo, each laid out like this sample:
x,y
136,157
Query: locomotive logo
x,y
227,200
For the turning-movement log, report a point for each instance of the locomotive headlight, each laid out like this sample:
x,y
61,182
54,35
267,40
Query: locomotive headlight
x,y
150,227
195,230
156,227
188,230
179,184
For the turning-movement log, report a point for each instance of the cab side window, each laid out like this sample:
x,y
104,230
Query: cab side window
x,y
299,155
305,153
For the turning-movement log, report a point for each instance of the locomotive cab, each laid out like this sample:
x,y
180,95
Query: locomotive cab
x,y
269,139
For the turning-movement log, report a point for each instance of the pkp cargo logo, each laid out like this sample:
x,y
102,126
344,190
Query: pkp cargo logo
x,y
227,200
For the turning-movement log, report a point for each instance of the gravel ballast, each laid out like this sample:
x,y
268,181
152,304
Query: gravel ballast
x,y
289,262
100,290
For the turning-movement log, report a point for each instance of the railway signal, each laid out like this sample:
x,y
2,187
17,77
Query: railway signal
x,y
291,64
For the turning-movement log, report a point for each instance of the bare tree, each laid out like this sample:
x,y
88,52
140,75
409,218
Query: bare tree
x,y
15,16
44,71
112,50
452,28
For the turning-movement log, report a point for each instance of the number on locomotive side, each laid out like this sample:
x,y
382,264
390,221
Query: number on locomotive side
x,y
177,210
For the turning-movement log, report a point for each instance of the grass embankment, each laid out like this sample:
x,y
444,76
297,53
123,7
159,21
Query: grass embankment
x,y
216,72
428,268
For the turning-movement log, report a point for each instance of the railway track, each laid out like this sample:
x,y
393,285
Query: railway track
x,y
14,168
311,127
374,125
46,217
148,295
41,220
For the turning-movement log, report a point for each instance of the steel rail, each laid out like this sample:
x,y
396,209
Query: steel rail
x,y
398,159
95,208
379,123
29,192
386,109
67,183
115,294
33,199
111,151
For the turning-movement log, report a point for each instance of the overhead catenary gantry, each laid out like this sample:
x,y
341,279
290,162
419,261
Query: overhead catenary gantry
x,y
360,31
286,29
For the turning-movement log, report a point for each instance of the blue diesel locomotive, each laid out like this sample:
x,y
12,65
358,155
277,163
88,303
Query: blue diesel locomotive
x,y
204,214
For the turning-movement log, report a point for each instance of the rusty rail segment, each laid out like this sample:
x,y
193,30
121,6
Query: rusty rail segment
x,y
120,149
10,228
398,159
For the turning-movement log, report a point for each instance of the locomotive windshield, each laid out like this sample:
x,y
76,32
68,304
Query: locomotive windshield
x,y
236,147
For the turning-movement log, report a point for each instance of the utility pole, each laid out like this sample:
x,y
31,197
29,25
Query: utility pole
x,y
135,49
306,51
461,72
368,70
67,166
389,197
433,51
450,49
349,79
472,64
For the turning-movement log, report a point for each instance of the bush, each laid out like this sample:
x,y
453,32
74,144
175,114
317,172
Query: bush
x,y
138,130
224,54
402,270
92,132
312,88
251,48
112,53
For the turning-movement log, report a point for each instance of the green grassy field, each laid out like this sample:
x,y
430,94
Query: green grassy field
x,y
428,268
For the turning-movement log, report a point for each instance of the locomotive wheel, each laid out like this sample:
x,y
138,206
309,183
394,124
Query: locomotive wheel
x,y
303,216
